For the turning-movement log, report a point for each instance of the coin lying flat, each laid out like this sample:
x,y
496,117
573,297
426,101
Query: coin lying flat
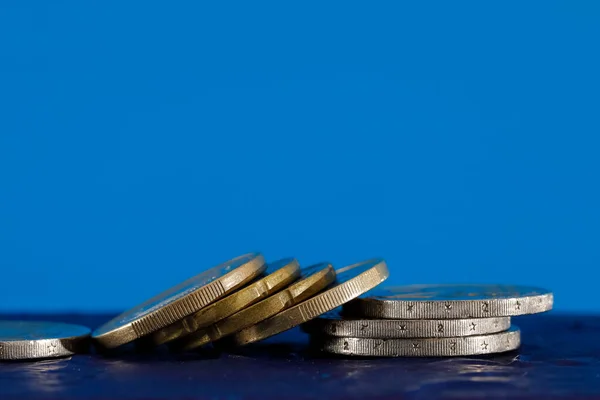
x,y
432,347
280,274
450,301
333,324
315,278
24,340
352,281
180,301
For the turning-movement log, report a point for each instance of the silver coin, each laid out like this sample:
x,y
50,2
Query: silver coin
x,y
23,340
450,302
432,347
333,324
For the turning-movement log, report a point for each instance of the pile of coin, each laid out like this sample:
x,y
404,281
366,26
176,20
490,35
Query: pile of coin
x,y
244,299
247,300
429,321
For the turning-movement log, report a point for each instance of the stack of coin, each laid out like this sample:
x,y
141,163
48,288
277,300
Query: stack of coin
x,y
429,321
243,298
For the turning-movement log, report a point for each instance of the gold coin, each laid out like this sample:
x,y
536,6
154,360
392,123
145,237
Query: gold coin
x,y
280,274
352,281
180,301
315,278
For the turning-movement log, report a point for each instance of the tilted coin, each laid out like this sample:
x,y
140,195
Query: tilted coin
x,y
280,274
352,281
333,324
315,278
432,347
450,301
180,301
24,340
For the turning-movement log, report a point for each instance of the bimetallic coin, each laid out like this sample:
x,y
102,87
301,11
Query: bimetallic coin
x,y
450,302
333,324
352,281
432,347
180,301
280,274
24,340
315,278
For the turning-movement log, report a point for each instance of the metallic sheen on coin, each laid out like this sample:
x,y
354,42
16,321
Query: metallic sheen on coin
x,y
315,278
180,301
450,302
280,274
352,281
24,340
432,347
333,324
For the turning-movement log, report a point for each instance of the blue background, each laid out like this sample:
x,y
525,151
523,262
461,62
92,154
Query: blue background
x,y
143,142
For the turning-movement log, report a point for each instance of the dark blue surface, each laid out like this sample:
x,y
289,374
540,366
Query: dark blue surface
x,y
142,142
559,359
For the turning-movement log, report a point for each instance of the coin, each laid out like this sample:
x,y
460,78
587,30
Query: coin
x,y
24,340
432,347
333,324
315,278
180,301
352,281
280,274
450,301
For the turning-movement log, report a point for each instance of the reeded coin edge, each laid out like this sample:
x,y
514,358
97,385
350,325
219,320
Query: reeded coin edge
x,y
183,306
397,328
229,305
451,309
43,348
430,347
315,306
314,283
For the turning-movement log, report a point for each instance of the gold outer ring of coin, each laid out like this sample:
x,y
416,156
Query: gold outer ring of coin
x,y
180,301
27,340
353,281
296,293
284,273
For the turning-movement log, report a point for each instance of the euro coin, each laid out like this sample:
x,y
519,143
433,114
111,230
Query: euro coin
x,y
450,302
333,324
432,347
180,301
315,278
280,274
25,340
352,281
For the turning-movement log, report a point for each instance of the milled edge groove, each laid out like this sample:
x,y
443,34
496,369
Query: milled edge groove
x,y
436,309
390,328
315,306
339,295
179,309
430,347
42,348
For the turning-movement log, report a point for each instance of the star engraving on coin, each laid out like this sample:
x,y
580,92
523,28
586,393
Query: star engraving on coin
x,y
473,325
450,302
484,346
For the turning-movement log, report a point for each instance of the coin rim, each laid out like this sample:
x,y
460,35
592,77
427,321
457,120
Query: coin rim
x,y
184,305
294,294
402,347
229,305
413,328
317,305
377,308
49,347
